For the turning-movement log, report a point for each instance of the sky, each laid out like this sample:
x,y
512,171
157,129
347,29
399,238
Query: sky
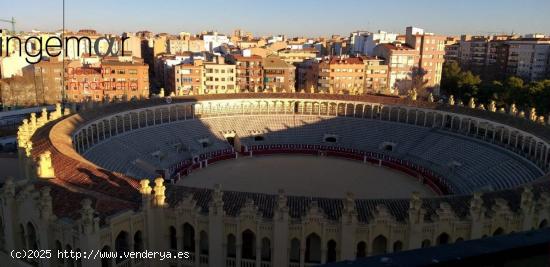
x,y
290,17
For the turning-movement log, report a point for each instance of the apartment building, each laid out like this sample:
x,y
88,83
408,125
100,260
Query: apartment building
x,y
307,75
185,44
402,61
249,72
528,58
218,77
376,76
113,79
341,75
279,76
186,79
48,80
374,39
431,51
292,56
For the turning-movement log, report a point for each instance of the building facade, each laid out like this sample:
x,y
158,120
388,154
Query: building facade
x,y
376,76
186,79
249,72
279,76
341,75
218,77
402,61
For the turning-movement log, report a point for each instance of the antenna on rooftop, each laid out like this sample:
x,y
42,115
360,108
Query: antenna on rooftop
x,y
12,22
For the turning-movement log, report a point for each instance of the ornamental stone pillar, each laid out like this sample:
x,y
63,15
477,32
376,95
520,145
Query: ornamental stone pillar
x,y
477,214
348,224
216,238
280,232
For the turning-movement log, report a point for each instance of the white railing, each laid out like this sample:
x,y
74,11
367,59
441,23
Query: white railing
x,y
189,262
293,264
203,260
248,263
230,262
265,264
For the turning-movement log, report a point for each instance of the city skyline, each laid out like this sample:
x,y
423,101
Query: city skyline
x,y
315,18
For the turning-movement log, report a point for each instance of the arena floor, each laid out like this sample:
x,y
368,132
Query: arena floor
x,y
306,176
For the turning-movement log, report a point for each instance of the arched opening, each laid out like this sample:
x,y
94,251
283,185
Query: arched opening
x,y
79,260
203,243
32,242
138,241
443,239
361,250
330,139
543,224
230,140
258,138
173,238
21,240
58,247
266,249
106,261
379,245
331,251
498,231
388,148
70,260
188,238
249,245
231,246
460,239
294,254
426,243
397,246
2,236
121,245
313,248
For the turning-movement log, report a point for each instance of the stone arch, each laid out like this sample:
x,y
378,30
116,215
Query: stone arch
x,y
397,246
426,243
203,243
248,250
361,250
543,224
231,248
79,260
443,239
58,247
313,248
331,251
32,240
266,249
106,261
188,237
498,231
379,245
294,253
70,260
173,238
21,238
138,241
122,244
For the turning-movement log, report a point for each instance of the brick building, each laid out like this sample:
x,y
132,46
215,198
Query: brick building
x,y
341,75
279,76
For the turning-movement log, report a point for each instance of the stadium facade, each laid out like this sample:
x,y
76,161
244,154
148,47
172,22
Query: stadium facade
x,y
489,169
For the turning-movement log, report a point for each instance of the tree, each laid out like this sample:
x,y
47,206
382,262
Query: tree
x,y
449,78
418,82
